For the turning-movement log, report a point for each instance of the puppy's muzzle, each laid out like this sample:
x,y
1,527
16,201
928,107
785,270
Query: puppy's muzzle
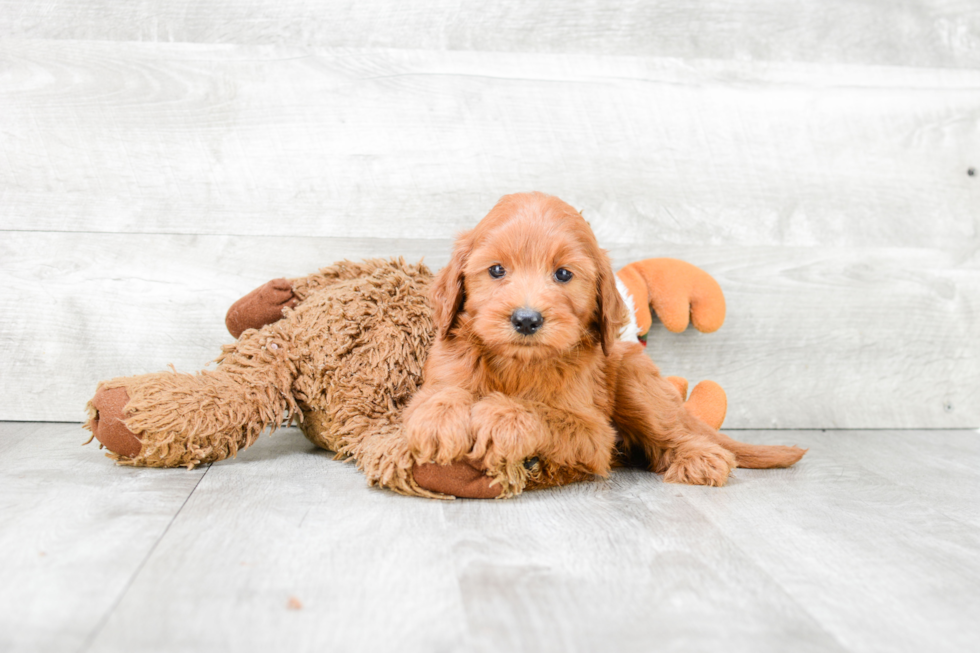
x,y
526,321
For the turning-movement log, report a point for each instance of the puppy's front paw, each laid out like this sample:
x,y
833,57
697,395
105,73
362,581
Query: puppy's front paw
x,y
505,436
703,466
438,430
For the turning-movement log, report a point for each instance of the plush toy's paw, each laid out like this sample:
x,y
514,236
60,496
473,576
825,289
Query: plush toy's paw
x,y
702,466
260,307
458,479
107,425
678,292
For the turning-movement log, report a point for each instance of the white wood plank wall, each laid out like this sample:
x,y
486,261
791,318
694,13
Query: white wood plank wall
x,y
159,160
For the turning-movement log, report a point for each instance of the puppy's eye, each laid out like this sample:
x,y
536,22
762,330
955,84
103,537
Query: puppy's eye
x,y
497,271
562,275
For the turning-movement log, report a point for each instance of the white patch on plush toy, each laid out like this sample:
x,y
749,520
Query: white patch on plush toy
x,y
630,331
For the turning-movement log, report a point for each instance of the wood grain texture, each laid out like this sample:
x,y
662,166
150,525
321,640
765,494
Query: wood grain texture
x,y
278,140
822,178
74,530
814,338
857,548
939,470
621,565
558,571
880,565
372,570
14,433
932,33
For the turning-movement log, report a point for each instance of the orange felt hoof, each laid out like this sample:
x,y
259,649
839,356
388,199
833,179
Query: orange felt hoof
x,y
680,383
709,403
107,425
459,479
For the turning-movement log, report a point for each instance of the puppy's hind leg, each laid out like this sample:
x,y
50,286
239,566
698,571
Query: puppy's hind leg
x,y
686,450
651,418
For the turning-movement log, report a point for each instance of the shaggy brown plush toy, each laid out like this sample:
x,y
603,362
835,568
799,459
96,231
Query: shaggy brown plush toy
x,y
340,352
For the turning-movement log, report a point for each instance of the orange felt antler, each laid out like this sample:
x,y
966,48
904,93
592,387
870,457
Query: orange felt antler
x,y
678,293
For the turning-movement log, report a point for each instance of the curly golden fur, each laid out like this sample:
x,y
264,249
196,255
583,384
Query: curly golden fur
x,y
502,389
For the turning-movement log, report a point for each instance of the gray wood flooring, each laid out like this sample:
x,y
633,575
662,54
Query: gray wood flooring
x,y
871,543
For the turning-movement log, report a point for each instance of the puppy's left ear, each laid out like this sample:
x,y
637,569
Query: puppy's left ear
x,y
448,294
610,310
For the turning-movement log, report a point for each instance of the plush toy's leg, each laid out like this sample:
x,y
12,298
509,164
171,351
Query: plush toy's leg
x,y
265,304
190,419
385,460
364,423
262,306
107,425
364,365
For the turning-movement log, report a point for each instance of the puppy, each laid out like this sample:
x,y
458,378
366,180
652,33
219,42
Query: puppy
x,y
527,380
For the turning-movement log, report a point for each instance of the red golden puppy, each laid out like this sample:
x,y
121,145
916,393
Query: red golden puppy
x,y
527,379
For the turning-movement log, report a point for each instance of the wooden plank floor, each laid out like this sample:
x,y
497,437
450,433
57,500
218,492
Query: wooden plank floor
x,y
872,543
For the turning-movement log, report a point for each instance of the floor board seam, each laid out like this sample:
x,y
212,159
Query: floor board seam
x,y
765,573
115,604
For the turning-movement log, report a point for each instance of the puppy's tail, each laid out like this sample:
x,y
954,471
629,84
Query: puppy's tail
x,y
760,456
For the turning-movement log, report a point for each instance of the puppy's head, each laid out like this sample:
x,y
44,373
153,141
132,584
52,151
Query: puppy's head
x,y
529,281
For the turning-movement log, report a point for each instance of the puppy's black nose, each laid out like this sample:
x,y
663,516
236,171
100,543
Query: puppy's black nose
x,y
526,321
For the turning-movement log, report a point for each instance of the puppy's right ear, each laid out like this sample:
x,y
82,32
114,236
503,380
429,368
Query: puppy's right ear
x,y
448,294
610,308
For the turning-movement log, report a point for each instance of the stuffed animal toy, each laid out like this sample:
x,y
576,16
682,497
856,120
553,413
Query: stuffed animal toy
x,y
340,352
